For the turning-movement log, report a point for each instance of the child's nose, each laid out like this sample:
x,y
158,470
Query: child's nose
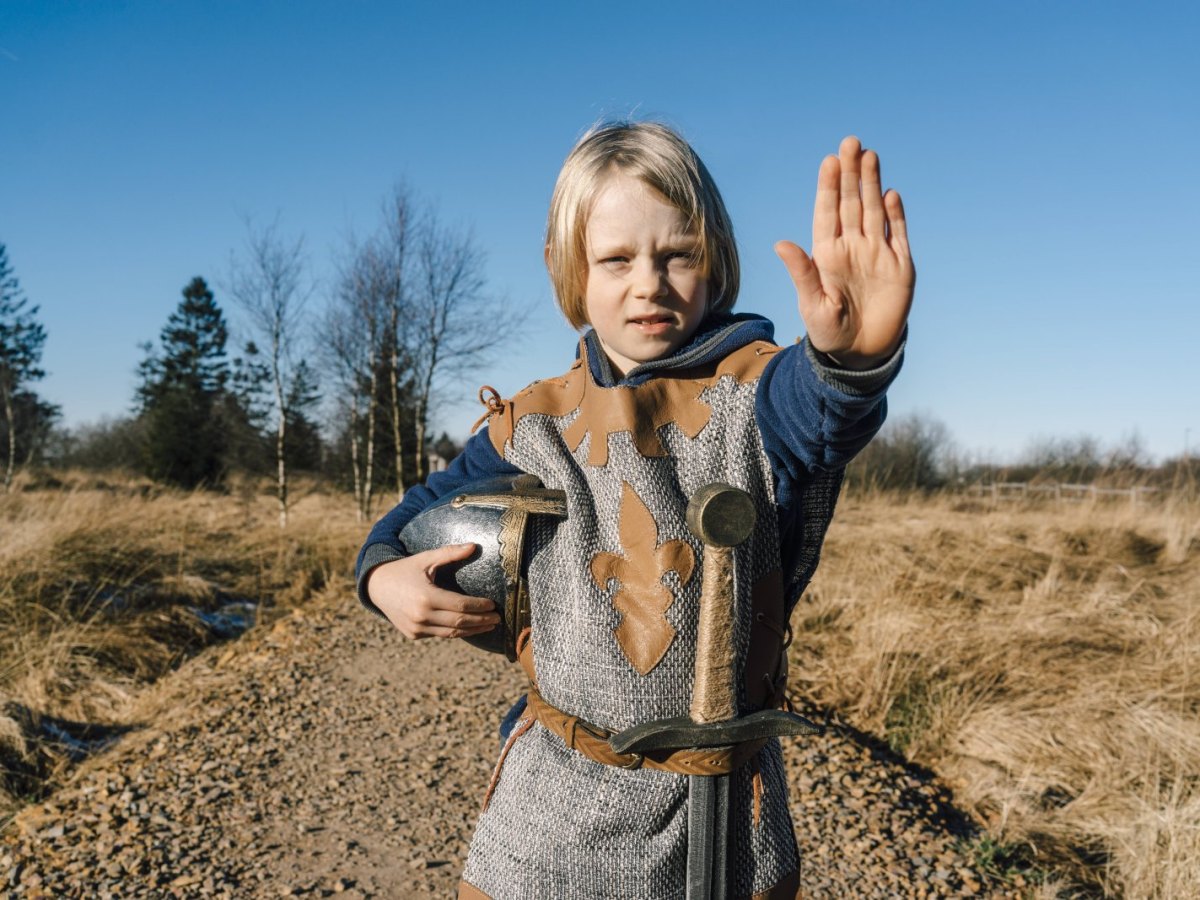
x,y
650,280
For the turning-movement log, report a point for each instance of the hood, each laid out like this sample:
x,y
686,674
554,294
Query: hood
x,y
716,337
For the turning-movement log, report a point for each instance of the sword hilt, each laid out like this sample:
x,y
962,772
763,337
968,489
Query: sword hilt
x,y
722,517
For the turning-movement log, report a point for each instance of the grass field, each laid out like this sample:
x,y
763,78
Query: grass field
x,y
104,585
1040,658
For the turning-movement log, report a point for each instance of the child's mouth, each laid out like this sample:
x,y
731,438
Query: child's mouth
x,y
652,324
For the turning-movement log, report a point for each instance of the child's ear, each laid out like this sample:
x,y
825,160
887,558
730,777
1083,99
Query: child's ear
x,y
546,256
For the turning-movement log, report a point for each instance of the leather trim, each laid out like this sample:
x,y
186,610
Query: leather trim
x,y
788,889
523,726
525,653
470,892
756,782
672,397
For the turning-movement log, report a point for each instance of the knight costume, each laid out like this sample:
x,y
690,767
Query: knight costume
x,y
613,589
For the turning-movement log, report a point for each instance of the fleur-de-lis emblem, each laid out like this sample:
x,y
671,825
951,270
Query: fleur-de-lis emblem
x,y
642,599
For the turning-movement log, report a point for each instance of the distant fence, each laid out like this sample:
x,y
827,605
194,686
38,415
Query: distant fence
x,y
1069,493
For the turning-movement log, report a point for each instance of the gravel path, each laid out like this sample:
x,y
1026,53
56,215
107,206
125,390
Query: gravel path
x,y
326,755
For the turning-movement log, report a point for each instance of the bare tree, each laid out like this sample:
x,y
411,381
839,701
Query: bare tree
x,y
456,326
351,347
913,452
401,228
268,283
410,315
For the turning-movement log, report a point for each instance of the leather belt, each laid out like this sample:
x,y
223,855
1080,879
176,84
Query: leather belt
x,y
592,741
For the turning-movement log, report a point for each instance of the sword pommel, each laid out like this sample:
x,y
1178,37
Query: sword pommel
x,y
720,515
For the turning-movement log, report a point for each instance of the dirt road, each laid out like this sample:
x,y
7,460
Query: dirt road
x,y
325,755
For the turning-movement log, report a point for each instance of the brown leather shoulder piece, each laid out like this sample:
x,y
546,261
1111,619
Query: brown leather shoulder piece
x,y
550,396
672,398
641,410
747,363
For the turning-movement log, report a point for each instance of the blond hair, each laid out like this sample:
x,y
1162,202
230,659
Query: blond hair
x,y
657,156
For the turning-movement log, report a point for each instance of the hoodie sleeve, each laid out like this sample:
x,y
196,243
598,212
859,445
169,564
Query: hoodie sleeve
x,y
478,460
815,417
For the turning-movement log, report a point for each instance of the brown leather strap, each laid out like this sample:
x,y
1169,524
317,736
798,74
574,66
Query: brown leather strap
x,y
525,653
592,742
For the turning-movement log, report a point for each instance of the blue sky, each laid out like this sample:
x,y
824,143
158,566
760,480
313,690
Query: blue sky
x,y
1046,153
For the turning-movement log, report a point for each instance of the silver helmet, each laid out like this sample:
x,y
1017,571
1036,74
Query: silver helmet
x,y
494,514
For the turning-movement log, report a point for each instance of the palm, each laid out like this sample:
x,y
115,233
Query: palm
x,y
855,292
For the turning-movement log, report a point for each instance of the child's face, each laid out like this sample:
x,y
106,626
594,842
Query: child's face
x,y
645,294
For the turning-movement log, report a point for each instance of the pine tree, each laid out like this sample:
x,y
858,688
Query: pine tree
x,y
245,413
182,387
21,340
304,447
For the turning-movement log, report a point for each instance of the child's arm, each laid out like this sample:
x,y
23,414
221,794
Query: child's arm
x,y
855,291
816,418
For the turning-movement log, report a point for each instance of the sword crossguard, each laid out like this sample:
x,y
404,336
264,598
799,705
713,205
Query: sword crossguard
x,y
682,733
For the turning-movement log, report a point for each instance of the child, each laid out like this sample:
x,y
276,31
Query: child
x,y
670,392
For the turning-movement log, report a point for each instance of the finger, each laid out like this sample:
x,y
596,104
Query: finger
x,y
439,631
441,600
896,223
804,274
457,619
849,203
439,623
825,210
872,196
447,610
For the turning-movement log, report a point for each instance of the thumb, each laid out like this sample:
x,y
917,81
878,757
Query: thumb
x,y
439,556
804,274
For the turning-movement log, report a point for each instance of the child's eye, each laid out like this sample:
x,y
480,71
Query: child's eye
x,y
687,257
615,259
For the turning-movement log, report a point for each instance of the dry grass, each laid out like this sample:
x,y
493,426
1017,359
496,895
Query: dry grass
x,y
1040,658
100,581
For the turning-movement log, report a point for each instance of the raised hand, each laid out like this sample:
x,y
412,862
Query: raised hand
x,y
404,592
856,289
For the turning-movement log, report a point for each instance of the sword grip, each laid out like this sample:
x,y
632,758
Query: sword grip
x,y
712,693
722,517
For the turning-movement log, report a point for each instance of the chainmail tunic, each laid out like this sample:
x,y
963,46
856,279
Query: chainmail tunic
x,y
558,824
